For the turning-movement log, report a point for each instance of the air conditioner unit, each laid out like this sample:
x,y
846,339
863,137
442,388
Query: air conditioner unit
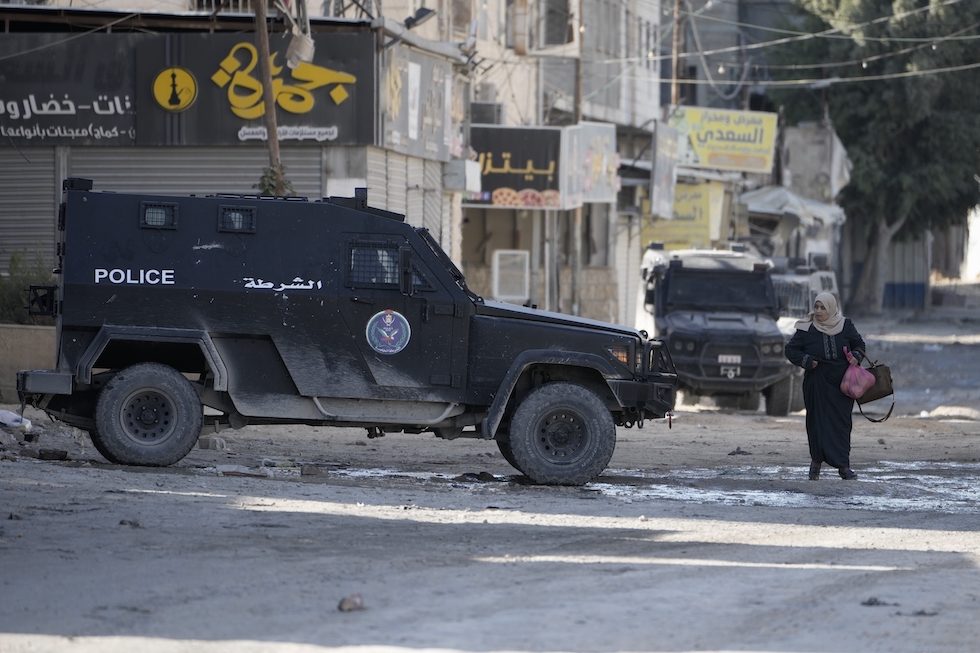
x,y
511,275
486,113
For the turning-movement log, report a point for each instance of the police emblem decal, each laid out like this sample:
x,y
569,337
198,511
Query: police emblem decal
x,y
388,332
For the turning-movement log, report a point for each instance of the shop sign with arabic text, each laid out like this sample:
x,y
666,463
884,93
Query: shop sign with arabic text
x,y
67,92
423,105
519,167
204,89
189,89
725,140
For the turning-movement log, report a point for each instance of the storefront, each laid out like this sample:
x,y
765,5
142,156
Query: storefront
x,y
181,112
533,181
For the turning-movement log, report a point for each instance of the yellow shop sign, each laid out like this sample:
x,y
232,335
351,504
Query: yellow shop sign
x,y
725,140
245,92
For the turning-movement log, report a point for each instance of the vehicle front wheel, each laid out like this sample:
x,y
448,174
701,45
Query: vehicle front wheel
x,y
779,397
562,434
147,414
796,403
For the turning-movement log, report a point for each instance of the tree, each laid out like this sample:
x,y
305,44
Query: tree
x,y
914,140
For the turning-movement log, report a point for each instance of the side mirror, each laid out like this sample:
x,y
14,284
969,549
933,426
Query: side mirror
x,y
405,281
650,297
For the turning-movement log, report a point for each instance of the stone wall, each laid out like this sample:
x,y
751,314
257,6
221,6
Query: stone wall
x,y
23,348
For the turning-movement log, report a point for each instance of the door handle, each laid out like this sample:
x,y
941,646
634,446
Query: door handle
x,y
362,300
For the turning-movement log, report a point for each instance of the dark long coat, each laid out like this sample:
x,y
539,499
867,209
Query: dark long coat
x,y
828,410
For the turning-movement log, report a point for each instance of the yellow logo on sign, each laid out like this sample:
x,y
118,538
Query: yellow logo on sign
x,y
175,89
245,92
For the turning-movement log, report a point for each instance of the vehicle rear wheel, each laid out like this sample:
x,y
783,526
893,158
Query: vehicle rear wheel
x,y
779,397
562,434
147,414
97,443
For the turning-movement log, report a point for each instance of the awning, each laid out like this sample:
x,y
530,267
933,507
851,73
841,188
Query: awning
x,y
777,201
827,213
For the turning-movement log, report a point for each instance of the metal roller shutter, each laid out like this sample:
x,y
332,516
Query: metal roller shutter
x,y
29,197
192,170
432,199
377,178
446,220
397,182
415,192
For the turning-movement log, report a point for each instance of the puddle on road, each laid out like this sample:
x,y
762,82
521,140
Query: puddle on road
x,y
886,486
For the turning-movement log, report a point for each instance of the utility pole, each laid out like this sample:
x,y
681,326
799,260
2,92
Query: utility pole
x,y
675,56
577,213
265,70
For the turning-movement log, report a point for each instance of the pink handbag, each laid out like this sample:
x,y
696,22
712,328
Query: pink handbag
x,y
857,380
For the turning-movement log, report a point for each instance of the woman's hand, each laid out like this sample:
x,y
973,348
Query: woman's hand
x,y
813,365
853,360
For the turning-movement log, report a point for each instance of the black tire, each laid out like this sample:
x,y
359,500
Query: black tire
x,y
749,401
796,400
779,397
562,434
149,415
506,452
97,443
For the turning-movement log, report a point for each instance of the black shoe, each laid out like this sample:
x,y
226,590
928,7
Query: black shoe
x,y
814,471
847,473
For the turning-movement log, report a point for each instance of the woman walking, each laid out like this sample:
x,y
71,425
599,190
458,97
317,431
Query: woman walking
x,y
818,346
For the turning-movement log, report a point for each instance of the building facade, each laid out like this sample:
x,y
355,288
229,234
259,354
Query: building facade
x,y
172,104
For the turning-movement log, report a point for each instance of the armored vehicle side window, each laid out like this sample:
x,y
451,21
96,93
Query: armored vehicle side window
x,y
158,215
375,265
236,219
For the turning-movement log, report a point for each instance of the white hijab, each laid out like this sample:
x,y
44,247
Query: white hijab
x,y
834,323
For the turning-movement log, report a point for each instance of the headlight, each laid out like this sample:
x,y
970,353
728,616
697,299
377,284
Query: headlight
x,y
771,348
690,346
622,354
678,345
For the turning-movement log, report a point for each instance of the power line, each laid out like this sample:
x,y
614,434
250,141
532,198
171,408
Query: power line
x,y
840,80
765,44
70,38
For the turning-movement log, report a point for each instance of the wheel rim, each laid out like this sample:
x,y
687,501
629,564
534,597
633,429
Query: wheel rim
x,y
147,417
561,436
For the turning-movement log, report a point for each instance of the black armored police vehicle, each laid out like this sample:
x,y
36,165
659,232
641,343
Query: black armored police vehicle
x,y
717,310
287,311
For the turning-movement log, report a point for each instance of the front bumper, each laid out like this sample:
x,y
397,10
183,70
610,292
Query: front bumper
x,y
754,378
653,399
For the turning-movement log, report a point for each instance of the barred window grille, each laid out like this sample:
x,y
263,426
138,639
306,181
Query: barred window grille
x,y
154,215
375,265
237,219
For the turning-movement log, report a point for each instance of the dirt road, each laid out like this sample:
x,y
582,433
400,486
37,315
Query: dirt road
x,y
682,544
